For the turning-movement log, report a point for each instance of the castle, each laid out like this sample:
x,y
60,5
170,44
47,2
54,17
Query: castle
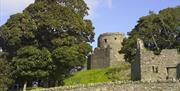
x,y
146,67
107,52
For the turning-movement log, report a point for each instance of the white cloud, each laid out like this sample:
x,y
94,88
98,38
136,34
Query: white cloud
x,y
96,4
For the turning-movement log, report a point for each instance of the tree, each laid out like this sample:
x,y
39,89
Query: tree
x,y
62,27
69,57
57,26
5,73
79,6
158,31
17,32
31,64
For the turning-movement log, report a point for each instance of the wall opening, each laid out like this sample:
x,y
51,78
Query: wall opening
x,y
105,40
178,71
115,38
155,69
171,73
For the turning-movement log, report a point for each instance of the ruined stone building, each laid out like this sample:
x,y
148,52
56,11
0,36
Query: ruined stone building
x,y
107,52
150,67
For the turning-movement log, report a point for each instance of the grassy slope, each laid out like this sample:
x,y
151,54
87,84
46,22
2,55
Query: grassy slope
x,y
89,76
100,75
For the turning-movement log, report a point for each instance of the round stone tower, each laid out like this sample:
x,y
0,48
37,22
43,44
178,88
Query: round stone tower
x,y
112,42
107,53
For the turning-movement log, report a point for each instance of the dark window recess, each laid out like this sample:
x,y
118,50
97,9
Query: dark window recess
x,y
155,69
115,38
105,40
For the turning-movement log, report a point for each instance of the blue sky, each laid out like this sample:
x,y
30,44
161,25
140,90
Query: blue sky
x,y
106,15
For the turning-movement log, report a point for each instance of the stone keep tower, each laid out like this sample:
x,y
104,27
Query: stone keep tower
x,y
107,52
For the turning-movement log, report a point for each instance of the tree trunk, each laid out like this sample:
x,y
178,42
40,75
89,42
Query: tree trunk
x,y
25,85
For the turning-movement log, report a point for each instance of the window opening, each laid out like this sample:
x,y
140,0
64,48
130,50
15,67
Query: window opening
x,y
155,69
115,38
105,40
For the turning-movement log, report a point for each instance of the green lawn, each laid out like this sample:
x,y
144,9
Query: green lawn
x,y
100,75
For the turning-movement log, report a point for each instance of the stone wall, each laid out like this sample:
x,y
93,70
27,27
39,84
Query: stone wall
x,y
151,67
100,59
160,67
121,86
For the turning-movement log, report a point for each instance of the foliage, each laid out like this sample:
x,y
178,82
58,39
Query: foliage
x,y
79,6
158,31
5,73
32,64
99,75
48,39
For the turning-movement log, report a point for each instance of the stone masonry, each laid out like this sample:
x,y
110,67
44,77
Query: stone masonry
x,y
151,67
121,86
107,52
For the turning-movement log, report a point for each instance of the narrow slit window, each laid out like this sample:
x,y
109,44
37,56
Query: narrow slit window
x,y
155,69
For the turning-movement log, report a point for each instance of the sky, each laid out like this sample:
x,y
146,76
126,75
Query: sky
x,y
106,15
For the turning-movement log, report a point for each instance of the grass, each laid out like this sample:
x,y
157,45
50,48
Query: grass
x,y
119,73
99,75
85,77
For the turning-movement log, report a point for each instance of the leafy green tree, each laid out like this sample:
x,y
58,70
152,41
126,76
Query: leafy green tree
x,y
57,26
158,31
16,33
79,6
5,73
61,27
31,64
69,57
